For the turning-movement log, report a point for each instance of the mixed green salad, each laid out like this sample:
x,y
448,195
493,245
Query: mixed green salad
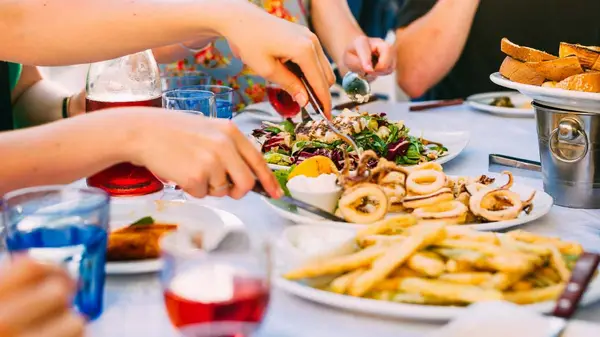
x,y
287,143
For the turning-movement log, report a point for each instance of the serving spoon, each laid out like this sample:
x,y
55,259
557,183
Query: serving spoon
x,y
356,86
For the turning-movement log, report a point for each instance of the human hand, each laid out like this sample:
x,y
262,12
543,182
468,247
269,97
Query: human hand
x,y
271,42
36,300
358,57
203,156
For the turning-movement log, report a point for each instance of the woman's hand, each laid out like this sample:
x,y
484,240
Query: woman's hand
x,y
36,300
264,42
204,156
358,57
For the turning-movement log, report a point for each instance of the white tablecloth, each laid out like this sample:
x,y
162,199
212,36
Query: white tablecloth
x,y
134,304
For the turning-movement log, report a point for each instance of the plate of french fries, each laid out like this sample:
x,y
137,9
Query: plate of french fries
x,y
401,268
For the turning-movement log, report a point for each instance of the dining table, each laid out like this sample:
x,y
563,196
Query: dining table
x,y
134,304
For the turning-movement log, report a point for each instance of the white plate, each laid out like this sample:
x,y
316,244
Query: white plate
x,y
189,216
482,102
542,203
391,309
560,98
454,141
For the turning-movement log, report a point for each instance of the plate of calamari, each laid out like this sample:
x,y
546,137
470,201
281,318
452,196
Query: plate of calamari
x,y
286,144
408,269
379,188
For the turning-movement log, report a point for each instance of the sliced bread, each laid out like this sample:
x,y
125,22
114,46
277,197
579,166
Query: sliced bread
x,y
558,69
524,54
588,82
589,57
520,72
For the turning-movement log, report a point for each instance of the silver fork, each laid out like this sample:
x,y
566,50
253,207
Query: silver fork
x,y
312,99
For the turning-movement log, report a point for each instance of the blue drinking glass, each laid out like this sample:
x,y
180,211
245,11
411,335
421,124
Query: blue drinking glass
x,y
223,98
63,225
192,101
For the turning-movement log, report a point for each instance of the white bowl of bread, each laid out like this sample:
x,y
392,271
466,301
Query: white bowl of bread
x,y
570,80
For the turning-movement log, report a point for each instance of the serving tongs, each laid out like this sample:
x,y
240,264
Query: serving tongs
x,y
316,104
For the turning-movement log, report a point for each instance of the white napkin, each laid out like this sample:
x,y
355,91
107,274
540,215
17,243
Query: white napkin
x,y
503,319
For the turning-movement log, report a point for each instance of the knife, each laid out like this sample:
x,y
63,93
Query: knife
x,y
525,167
352,105
259,189
567,303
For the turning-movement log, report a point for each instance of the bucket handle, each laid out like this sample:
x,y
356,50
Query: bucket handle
x,y
568,130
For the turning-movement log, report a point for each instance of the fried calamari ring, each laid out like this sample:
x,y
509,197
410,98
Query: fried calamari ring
x,y
498,211
450,212
363,203
424,182
528,204
475,188
417,201
510,180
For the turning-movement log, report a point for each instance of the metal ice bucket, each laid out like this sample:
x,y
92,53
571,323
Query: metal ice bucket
x,y
569,143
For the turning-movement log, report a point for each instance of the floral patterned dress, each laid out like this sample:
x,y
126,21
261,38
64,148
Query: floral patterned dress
x,y
218,61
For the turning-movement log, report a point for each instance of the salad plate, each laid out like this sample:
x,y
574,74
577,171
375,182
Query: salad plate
x,y
289,143
312,244
187,216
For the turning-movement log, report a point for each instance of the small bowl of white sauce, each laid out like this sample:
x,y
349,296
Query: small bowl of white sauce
x,y
322,191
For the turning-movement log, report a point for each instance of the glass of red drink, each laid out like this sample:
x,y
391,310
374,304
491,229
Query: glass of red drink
x,y
282,101
214,294
132,80
199,102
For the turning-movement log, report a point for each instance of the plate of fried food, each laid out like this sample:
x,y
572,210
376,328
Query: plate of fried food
x,y
570,80
407,269
378,189
504,103
286,144
138,225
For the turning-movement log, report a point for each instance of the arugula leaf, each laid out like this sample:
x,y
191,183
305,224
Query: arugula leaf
x,y
303,144
393,137
368,140
282,178
272,129
145,221
288,126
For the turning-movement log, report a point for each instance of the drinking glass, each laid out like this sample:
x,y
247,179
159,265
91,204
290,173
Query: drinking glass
x,y
63,225
184,79
199,102
214,294
223,98
282,101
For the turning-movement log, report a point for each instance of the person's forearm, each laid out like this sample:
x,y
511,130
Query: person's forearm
x,y
335,26
429,47
61,32
61,152
39,104
178,51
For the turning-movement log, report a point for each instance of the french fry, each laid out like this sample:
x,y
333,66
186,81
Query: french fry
x,y
449,291
377,239
341,284
405,271
534,295
532,248
398,222
522,285
474,278
458,266
390,284
427,263
565,247
460,232
503,281
420,299
337,265
394,257
558,263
